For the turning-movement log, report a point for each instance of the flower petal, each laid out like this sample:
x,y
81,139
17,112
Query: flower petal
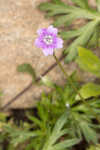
x,y
37,43
59,43
51,29
39,31
48,51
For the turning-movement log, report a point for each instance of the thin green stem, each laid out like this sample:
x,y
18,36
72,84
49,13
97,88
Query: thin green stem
x,y
75,89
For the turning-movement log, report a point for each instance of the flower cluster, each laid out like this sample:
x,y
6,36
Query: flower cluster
x,y
48,40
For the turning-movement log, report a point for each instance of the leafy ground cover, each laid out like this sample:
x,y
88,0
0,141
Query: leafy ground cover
x,y
61,120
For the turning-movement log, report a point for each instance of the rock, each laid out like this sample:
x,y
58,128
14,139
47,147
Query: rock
x,y
19,21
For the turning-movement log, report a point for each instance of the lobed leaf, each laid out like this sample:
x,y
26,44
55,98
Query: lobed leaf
x,y
89,133
57,133
81,3
94,147
88,61
66,144
89,90
64,20
17,135
27,68
98,5
81,40
54,9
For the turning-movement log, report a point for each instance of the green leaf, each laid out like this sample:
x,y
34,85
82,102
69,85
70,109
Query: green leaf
x,y
94,147
47,82
54,9
69,34
58,132
43,114
27,68
65,19
81,3
3,116
1,93
35,120
66,144
81,40
18,135
60,123
89,133
98,5
94,41
57,129
88,61
89,90
57,2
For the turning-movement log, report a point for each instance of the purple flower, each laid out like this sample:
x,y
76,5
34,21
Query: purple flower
x,y
48,40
